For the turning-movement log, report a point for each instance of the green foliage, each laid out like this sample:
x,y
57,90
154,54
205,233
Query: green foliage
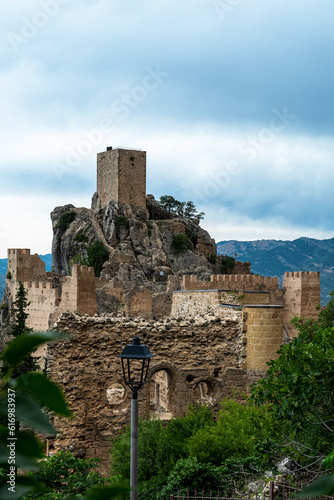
x,y
80,259
192,474
4,307
227,264
122,221
97,254
196,451
299,385
241,430
323,486
63,474
160,446
181,243
65,220
81,238
20,305
212,258
186,209
22,403
9,275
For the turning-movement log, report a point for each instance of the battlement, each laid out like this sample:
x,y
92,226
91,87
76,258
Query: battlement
x,y
247,282
82,271
18,251
301,296
46,285
23,266
50,294
303,275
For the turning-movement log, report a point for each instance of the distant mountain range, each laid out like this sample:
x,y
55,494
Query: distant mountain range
x,y
3,269
274,257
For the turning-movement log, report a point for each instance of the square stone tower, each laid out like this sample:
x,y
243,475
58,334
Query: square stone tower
x,y
121,176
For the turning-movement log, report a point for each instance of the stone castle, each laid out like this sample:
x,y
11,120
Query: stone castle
x,y
212,333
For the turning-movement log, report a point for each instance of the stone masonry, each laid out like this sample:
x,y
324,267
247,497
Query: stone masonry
x,y
194,361
49,294
121,177
301,294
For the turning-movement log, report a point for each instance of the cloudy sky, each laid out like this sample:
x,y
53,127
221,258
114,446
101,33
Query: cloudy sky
x,y
231,99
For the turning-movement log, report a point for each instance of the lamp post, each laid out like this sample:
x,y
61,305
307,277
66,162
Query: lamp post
x,y
135,362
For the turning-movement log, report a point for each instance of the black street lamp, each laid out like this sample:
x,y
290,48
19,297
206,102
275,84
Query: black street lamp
x,y
135,362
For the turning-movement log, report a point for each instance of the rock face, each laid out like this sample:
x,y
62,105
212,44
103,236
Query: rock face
x,y
142,252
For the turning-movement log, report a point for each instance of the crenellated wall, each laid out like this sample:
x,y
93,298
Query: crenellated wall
x,y
231,282
49,294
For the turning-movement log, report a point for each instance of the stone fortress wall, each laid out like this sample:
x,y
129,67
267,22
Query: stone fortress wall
x,y
50,294
210,338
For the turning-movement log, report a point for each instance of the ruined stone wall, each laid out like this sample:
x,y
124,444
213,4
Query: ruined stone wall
x,y
192,362
22,265
241,268
301,296
121,177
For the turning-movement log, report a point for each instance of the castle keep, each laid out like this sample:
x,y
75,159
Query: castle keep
x,y
121,176
212,333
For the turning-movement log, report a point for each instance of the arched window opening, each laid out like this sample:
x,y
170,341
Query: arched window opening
x,y
160,395
203,392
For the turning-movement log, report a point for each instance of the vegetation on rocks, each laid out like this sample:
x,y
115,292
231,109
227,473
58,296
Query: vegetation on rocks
x,y
183,208
65,220
181,243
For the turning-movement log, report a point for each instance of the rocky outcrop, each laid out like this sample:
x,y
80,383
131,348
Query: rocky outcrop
x,y
142,252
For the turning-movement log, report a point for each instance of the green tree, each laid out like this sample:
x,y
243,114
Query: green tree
x,y
169,203
186,209
227,264
20,327
97,254
298,388
20,310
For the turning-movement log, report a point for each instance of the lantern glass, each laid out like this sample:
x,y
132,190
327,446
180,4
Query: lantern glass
x,y
135,363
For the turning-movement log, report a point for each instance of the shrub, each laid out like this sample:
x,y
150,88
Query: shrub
x,y
4,307
80,259
9,275
65,474
181,243
81,238
228,264
212,258
240,431
65,220
97,254
122,221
